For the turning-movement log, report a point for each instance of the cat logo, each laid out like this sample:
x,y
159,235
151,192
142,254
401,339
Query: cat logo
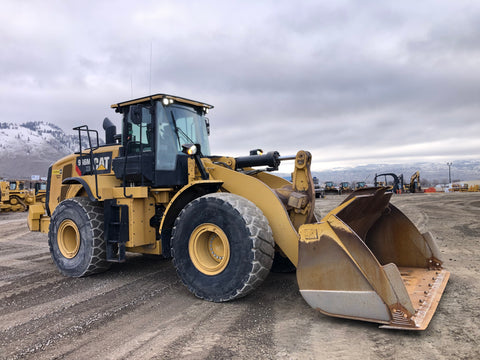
x,y
102,163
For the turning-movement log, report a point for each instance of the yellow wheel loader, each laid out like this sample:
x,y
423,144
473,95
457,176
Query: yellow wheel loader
x,y
40,190
344,187
156,189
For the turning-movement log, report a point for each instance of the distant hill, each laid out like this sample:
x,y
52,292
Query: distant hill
x,y
30,148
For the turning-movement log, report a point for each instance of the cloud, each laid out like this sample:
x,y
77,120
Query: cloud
x,y
349,81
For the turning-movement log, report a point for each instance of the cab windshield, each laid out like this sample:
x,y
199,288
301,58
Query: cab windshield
x,y
190,126
178,125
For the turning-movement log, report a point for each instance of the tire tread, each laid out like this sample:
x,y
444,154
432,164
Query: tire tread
x,y
94,213
263,246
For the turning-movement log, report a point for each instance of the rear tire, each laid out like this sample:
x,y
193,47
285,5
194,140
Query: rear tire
x,y
76,238
222,247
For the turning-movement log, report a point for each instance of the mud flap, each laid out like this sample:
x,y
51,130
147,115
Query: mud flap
x,y
366,260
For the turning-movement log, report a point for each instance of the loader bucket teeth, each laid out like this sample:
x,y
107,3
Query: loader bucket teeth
x,y
366,260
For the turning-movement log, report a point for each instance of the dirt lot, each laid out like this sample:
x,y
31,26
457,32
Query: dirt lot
x,y
140,310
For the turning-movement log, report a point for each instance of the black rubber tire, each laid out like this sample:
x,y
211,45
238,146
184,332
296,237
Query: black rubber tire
x,y
91,255
249,237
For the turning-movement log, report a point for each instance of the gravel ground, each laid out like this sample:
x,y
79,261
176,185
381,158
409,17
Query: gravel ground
x,y
140,310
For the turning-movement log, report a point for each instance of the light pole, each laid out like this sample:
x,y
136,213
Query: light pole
x,y
449,172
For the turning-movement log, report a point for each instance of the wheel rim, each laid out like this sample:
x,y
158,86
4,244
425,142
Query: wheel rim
x,y
68,239
209,249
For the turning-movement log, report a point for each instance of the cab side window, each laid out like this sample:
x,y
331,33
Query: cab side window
x,y
139,129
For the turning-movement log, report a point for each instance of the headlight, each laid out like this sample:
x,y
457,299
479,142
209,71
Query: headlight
x,y
190,149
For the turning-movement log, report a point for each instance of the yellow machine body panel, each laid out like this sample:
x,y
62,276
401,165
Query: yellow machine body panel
x,y
286,205
264,197
140,211
67,173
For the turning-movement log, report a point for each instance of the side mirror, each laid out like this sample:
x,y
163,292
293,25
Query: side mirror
x,y
207,124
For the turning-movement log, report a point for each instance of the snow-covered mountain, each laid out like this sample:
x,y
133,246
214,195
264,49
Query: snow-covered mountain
x,y
29,149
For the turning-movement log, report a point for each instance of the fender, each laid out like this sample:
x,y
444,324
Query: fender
x,y
78,180
187,194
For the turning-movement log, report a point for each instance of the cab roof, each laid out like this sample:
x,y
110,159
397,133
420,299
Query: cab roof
x,y
172,98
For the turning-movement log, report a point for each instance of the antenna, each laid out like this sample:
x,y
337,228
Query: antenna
x,y
150,75
131,86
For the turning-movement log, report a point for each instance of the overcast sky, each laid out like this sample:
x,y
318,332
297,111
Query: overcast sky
x,y
353,82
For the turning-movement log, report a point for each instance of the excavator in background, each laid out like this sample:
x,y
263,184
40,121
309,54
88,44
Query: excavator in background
x,y
157,189
414,185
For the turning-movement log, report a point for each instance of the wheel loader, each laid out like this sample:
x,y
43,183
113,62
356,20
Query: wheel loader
x,y
344,187
329,187
155,188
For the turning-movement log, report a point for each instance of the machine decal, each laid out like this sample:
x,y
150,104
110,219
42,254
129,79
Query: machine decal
x,y
101,161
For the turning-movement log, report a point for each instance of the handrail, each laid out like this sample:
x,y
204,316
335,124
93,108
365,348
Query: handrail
x,y
124,177
92,164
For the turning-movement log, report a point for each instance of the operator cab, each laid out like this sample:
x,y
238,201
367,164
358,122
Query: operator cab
x,y
154,130
16,185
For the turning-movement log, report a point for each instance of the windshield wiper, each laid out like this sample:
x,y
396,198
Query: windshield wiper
x,y
185,135
178,130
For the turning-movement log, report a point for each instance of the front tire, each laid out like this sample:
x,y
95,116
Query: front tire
x,y
75,238
222,247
